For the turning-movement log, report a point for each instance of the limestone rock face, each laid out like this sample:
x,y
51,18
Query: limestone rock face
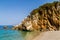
x,y
44,18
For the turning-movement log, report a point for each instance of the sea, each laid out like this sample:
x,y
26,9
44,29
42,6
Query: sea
x,y
8,34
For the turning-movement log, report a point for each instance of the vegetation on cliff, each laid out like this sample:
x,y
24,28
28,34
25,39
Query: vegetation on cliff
x,y
44,18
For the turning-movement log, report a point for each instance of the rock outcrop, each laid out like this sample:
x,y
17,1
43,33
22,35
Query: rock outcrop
x,y
5,27
44,18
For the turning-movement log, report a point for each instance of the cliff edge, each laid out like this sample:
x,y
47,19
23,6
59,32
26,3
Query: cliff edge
x,y
44,18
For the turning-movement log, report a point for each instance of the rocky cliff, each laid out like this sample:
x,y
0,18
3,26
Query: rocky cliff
x,y
44,18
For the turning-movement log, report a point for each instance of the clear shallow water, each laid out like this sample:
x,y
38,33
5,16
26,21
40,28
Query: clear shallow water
x,y
17,35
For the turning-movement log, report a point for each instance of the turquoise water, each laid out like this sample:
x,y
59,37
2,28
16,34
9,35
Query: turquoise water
x,y
17,35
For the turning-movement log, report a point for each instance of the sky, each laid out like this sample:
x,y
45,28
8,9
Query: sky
x,y
12,12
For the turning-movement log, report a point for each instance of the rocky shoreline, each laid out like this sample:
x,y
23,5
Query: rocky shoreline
x,y
44,18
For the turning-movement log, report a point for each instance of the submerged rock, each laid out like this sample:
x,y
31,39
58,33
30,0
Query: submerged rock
x,y
44,18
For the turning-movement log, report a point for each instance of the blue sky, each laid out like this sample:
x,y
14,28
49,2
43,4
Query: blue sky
x,y
12,12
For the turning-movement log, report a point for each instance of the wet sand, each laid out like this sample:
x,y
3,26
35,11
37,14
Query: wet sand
x,y
51,35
